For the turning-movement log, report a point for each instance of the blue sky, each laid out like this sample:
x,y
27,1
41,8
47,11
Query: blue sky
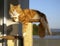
x,y
51,8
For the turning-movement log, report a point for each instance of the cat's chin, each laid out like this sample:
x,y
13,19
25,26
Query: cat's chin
x,y
16,20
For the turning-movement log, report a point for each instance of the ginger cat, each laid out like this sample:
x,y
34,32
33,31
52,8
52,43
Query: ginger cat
x,y
28,15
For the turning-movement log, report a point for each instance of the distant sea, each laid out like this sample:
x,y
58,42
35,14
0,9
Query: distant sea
x,y
50,36
55,30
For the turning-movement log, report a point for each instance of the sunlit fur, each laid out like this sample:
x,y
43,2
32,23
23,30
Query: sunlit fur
x,y
25,15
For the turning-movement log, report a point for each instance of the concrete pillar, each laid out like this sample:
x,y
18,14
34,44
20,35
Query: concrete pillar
x,y
28,39
24,3
10,43
4,23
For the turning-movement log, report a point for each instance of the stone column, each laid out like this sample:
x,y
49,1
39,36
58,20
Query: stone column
x,y
10,43
28,39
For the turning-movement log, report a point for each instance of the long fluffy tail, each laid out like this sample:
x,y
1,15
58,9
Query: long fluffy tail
x,y
43,26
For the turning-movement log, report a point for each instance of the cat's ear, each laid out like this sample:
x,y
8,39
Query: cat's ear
x,y
11,5
19,5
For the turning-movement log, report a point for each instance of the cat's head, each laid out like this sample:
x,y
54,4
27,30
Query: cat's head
x,y
14,12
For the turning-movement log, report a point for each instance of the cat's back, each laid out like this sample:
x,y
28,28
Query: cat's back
x,y
30,12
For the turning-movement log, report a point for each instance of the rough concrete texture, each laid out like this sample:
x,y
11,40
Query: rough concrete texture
x,y
28,40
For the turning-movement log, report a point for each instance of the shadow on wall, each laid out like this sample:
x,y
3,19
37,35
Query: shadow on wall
x,y
1,28
10,30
